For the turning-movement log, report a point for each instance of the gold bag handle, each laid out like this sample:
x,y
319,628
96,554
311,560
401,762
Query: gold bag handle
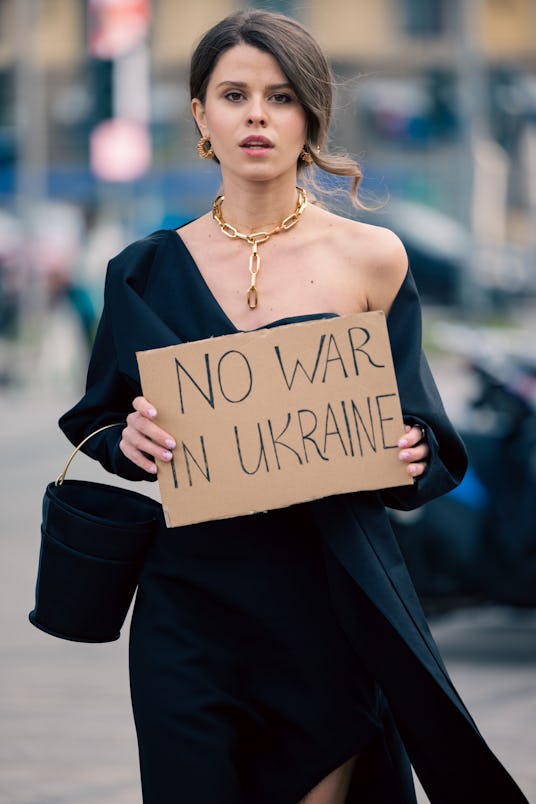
x,y
59,480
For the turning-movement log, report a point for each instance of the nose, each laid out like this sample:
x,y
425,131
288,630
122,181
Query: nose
x,y
260,121
257,114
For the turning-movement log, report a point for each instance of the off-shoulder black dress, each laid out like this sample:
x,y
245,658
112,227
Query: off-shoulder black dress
x,y
268,649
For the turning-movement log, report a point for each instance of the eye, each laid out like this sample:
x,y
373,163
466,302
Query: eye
x,y
234,96
281,97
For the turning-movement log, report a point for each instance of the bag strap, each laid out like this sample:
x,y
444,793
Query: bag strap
x,y
59,480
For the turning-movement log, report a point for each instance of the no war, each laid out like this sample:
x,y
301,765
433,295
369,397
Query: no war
x,y
230,377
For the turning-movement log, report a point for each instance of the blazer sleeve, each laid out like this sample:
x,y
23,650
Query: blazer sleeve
x,y
421,404
107,399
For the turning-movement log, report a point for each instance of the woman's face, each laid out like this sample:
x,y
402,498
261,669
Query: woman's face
x,y
252,116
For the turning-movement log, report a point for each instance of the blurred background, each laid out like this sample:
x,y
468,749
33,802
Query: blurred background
x,y
437,99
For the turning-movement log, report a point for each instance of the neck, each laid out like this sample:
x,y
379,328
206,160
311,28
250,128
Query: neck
x,y
257,206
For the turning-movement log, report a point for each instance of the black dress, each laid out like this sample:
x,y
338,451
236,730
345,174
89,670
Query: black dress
x,y
266,650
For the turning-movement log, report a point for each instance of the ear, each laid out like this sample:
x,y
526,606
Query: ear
x,y
198,112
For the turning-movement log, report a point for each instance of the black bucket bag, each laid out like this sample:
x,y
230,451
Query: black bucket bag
x,y
94,538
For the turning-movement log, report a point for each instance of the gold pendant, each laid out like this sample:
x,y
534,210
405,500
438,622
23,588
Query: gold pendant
x,y
252,297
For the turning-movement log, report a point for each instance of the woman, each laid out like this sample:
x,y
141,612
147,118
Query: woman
x,y
280,657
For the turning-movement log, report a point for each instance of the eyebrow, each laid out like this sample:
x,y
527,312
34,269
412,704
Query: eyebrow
x,y
243,85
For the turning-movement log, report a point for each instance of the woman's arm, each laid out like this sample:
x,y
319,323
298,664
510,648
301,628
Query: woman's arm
x,y
107,399
110,392
421,405
383,270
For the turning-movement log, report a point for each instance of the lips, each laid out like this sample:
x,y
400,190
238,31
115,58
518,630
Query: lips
x,y
256,141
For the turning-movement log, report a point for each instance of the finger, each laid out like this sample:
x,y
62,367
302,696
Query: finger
x,y
417,434
137,423
418,453
142,441
144,407
414,435
416,469
142,451
136,438
137,457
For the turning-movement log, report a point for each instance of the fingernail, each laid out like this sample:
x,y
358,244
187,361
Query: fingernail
x,y
167,456
151,412
405,456
152,469
170,444
412,469
403,442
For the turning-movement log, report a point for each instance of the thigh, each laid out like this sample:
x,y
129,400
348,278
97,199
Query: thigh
x,y
333,788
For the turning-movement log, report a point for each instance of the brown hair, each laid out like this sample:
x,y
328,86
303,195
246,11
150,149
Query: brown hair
x,y
304,65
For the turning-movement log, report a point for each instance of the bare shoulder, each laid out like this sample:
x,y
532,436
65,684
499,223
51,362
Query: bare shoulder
x,y
373,256
385,264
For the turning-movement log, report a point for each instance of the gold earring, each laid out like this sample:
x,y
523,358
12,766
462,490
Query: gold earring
x,y
205,149
305,156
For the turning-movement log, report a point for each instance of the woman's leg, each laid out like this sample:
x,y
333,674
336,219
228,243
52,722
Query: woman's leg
x,y
333,788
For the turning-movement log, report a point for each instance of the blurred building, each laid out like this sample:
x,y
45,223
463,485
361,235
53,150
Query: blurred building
x,y
402,66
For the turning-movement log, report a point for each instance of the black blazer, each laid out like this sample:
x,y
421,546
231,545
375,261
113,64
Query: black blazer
x,y
154,297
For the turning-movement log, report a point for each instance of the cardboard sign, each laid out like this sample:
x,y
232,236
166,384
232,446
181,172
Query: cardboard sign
x,y
277,416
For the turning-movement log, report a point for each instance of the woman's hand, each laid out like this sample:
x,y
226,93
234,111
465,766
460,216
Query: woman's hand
x,y
142,440
414,449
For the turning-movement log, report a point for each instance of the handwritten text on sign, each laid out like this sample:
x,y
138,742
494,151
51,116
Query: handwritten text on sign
x,y
277,416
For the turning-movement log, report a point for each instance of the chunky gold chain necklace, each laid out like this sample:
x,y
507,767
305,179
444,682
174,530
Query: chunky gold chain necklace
x,y
256,238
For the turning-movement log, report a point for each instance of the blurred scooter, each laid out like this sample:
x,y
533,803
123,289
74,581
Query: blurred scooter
x,y
478,543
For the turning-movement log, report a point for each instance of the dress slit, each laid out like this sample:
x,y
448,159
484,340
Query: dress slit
x,y
233,621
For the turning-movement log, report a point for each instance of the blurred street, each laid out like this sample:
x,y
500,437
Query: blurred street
x,y
67,734
66,730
